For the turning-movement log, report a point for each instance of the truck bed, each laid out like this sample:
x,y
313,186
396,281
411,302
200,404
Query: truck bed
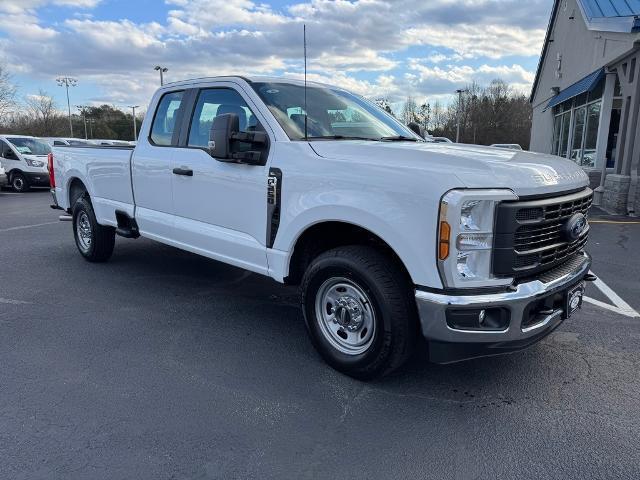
x,y
106,169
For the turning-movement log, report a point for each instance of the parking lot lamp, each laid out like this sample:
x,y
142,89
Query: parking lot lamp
x,y
68,82
135,127
162,71
460,91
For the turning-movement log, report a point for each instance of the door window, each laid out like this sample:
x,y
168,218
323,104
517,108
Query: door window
x,y
218,101
6,152
165,119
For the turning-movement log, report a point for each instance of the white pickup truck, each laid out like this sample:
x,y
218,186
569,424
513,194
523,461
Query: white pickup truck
x,y
480,250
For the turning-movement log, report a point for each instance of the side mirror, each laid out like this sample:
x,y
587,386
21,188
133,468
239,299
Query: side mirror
x,y
224,126
415,128
226,141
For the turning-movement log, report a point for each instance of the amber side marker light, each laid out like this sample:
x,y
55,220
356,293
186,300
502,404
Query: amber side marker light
x,y
443,241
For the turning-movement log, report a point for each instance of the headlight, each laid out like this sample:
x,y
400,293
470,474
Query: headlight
x,y
34,163
465,237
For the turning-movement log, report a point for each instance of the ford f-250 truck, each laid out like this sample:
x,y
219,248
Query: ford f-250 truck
x,y
478,249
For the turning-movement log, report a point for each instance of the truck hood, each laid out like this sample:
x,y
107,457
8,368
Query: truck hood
x,y
526,173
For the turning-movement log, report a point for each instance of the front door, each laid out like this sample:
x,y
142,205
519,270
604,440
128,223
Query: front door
x,y
220,209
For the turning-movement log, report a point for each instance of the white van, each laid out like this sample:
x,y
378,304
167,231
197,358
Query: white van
x,y
25,161
61,142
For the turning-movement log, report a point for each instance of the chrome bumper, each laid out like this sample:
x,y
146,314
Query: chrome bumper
x,y
432,309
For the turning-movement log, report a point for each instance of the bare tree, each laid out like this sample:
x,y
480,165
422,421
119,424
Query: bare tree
x,y
7,94
384,104
491,114
409,111
43,114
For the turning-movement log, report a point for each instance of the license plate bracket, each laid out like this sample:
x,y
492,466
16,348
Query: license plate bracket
x,y
573,299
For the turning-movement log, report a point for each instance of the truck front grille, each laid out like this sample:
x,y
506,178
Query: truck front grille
x,y
531,235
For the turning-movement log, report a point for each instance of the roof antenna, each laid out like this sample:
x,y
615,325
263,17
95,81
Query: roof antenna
x,y
304,34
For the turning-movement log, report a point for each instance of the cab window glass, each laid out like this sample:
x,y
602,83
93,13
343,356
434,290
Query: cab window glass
x,y
164,122
218,101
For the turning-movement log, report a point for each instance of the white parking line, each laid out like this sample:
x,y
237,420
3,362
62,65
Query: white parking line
x,y
619,305
22,227
13,302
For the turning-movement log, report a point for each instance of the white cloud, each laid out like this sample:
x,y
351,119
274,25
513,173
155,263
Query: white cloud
x,y
472,41
346,39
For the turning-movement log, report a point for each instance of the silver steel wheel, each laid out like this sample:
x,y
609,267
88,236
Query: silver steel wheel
x,y
345,315
83,231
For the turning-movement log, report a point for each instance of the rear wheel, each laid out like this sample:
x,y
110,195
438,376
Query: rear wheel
x,y
19,182
359,311
94,241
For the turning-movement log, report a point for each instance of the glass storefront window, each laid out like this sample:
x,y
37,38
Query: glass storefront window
x,y
578,134
564,136
578,142
557,127
591,135
561,134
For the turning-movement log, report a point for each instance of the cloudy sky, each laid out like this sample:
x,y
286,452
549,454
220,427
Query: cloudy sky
x,y
425,48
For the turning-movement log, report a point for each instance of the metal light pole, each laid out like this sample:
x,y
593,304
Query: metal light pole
x,y
135,127
460,91
68,82
162,71
83,110
91,121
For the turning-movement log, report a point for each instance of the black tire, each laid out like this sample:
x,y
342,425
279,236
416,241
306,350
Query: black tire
x,y
392,302
101,239
19,182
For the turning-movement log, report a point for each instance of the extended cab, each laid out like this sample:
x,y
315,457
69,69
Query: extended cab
x,y
480,250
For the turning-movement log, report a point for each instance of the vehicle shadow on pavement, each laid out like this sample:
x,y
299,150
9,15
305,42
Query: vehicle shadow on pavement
x,y
188,275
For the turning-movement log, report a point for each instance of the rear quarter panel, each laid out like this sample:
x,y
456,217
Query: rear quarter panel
x,y
106,174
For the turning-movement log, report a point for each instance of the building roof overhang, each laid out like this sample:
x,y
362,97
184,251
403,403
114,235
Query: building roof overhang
x,y
599,15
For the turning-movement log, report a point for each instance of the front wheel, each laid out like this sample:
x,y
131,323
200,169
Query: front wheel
x,y
359,311
19,183
94,241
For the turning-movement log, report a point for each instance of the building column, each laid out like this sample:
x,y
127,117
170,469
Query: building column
x,y
603,132
633,92
621,189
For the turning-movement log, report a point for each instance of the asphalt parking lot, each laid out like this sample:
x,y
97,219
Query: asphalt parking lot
x,y
164,365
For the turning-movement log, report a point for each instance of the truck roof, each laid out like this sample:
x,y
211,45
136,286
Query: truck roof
x,y
248,79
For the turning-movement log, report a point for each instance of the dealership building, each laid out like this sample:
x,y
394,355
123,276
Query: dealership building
x,y
586,96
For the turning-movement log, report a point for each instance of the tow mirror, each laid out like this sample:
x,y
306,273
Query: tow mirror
x,y
415,128
228,144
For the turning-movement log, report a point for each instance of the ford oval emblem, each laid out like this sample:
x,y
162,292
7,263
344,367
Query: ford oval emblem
x,y
575,227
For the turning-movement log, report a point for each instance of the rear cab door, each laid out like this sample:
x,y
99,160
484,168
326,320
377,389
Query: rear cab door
x,y
220,208
151,170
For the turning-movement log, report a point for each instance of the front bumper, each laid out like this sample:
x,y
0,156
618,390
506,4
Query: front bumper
x,y
447,344
37,179
4,180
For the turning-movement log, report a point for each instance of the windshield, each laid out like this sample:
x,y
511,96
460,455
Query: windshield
x,y
332,113
30,146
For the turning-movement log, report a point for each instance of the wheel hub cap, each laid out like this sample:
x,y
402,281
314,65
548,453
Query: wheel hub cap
x,y
348,313
83,231
345,315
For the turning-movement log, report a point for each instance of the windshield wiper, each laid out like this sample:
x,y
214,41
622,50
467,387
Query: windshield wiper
x,y
398,138
339,137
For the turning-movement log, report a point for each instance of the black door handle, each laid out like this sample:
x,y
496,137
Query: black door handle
x,y
187,172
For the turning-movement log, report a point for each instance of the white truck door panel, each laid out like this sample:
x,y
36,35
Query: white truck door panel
x,y
152,175
221,210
